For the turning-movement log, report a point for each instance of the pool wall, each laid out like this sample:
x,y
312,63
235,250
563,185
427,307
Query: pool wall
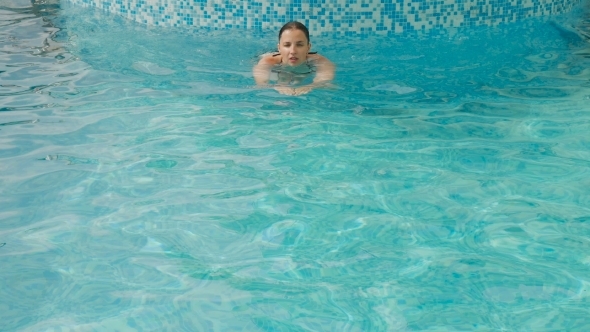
x,y
344,16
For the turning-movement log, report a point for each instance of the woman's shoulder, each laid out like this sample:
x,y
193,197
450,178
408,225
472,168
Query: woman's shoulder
x,y
269,58
317,58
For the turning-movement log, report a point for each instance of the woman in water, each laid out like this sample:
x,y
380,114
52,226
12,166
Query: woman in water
x,y
293,63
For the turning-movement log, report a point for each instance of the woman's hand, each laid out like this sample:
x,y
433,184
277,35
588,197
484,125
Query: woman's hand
x,y
285,90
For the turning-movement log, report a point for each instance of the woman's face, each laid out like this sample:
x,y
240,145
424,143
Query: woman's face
x,y
293,47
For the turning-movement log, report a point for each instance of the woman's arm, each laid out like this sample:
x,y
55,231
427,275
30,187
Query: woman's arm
x,y
263,68
324,73
324,69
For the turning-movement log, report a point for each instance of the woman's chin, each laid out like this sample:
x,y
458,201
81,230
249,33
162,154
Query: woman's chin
x,y
295,63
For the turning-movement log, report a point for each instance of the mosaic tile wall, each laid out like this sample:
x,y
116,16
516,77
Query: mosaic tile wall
x,y
346,16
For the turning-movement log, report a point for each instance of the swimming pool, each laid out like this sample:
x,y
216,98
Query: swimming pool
x,y
441,184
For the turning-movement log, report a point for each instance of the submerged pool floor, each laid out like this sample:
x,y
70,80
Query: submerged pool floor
x,y
442,183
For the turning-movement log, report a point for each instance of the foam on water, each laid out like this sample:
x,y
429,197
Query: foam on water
x,y
146,184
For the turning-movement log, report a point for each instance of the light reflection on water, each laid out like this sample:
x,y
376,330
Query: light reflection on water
x,y
146,184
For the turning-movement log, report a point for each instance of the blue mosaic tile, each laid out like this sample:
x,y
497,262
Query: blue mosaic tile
x,y
345,16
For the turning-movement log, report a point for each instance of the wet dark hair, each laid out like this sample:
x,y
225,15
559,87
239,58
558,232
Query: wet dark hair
x,y
294,25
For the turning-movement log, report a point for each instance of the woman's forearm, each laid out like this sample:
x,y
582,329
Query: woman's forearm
x,y
324,70
261,73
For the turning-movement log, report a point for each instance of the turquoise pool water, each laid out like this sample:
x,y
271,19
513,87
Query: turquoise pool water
x,y
442,184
